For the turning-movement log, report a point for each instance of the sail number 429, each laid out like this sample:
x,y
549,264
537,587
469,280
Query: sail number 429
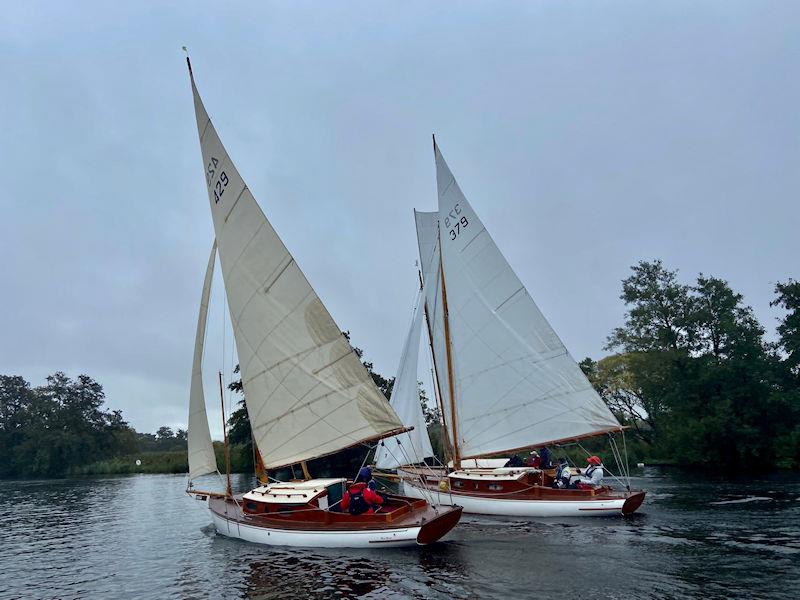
x,y
221,181
455,223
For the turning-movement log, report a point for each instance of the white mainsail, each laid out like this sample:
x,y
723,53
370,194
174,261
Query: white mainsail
x,y
307,392
201,450
515,384
411,446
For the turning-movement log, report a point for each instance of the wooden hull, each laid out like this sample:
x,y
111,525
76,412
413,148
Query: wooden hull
x,y
420,525
529,499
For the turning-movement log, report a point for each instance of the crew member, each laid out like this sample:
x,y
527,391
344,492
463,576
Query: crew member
x,y
563,474
593,475
359,499
544,453
365,476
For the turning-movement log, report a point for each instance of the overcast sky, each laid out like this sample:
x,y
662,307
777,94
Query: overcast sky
x,y
587,135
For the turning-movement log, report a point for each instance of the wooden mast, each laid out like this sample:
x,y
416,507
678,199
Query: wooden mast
x,y
228,488
437,392
450,384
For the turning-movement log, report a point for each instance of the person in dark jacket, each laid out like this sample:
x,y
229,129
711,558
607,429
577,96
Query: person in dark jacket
x,y
514,461
544,454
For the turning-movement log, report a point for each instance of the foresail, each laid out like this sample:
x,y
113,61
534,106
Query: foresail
x,y
515,383
201,450
412,446
307,392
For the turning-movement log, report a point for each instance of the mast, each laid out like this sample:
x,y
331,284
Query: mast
x,y
228,488
437,392
456,453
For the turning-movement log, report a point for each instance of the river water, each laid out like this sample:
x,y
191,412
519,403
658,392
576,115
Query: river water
x,y
141,536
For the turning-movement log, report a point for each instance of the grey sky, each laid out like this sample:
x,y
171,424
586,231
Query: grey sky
x,y
587,135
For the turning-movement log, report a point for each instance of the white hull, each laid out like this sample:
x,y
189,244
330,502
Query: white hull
x,y
375,538
521,508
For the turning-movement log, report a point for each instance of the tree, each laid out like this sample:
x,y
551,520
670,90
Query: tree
x,y
48,430
658,314
164,433
788,298
614,379
720,324
695,368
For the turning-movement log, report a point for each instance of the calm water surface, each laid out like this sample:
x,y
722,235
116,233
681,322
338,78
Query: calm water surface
x,y
141,536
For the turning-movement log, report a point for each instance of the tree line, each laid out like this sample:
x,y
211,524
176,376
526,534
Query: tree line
x,y
61,427
694,376
691,372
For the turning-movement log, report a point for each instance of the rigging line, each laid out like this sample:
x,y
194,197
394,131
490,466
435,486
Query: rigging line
x,y
422,486
624,454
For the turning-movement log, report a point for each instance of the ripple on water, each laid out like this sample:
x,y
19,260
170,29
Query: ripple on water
x,y
141,536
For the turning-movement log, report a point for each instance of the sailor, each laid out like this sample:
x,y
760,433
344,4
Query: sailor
x,y
365,476
359,499
593,475
533,460
514,461
544,452
563,474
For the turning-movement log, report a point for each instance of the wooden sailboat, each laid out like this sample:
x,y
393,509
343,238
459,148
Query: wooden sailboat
x,y
307,393
506,380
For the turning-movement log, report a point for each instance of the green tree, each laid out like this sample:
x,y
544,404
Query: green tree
x,y
694,366
788,298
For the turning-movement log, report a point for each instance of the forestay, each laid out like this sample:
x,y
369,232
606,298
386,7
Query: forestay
x,y
201,450
411,446
515,383
307,392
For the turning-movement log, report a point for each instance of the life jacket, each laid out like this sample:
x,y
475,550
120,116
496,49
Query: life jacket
x,y
358,504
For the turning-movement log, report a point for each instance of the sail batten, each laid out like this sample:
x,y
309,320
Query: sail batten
x,y
307,393
200,448
514,383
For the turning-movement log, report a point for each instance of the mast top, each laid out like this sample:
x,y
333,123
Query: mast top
x,y
188,62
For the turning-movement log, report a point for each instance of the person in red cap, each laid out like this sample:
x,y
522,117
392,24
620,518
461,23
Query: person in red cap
x,y
593,475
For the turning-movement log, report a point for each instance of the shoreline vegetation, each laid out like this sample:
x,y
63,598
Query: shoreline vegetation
x,y
690,373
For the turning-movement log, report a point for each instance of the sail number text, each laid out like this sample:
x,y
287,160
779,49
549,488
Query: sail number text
x,y
454,222
220,182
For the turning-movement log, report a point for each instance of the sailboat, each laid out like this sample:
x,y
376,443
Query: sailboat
x,y
307,393
505,380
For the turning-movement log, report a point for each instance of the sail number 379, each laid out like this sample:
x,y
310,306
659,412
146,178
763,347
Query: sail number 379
x,y
455,223
221,181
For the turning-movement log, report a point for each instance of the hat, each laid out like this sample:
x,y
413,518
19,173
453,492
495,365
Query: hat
x,y
594,460
365,474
